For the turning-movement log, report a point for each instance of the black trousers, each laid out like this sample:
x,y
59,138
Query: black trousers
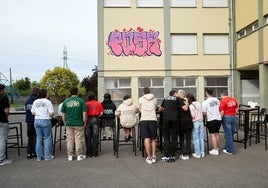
x,y
185,140
31,138
170,134
92,136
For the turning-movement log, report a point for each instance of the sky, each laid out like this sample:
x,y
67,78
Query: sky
x,y
33,34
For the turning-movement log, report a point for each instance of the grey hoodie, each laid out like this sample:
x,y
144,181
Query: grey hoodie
x,y
147,107
127,112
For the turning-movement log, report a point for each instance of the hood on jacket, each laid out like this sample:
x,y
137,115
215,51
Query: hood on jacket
x,y
128,102
148,96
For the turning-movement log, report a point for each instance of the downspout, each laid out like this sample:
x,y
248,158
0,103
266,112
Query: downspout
x,y
231,44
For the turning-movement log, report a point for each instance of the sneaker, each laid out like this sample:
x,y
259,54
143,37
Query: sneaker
x,y
164,158
203,155
196,156
184,157
70,157
50,158
81,157
104,138
29,156
153,159
214,152
225,151
149,160
5,162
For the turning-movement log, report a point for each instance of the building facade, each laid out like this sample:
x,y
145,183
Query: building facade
x,y
169,44
251,50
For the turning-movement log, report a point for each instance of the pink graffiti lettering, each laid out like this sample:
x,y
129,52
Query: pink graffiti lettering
x,y
134,43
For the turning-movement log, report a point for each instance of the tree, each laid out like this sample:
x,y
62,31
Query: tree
x,y
23,85
91,82
59,81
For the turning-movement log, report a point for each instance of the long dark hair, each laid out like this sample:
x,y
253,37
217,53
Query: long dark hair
x,y
191,98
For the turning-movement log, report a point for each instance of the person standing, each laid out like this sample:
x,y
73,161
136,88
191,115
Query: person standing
x,y
43,111
4,113
228,108
127,111
30,124
148,123
74,116
170,107
94,111
108,117
210,108
185,125
198,130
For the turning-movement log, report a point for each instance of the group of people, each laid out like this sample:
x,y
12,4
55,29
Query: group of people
x,y
182,116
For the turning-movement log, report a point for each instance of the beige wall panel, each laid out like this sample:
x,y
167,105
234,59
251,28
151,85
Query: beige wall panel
x,y
145,18
201,73
134,73
246,12
247,51
214,20
203,62
265,43
265,7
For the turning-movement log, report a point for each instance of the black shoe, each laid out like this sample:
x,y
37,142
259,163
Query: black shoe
x,y
126,139
29,156
109,138
129,137
104,138
34,155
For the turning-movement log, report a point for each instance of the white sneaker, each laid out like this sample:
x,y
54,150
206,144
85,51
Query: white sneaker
x,y
153,159
214,152
196,156
184,157
164,158
70,157
6,161
149,160
50,158
81,157
203,155
225,151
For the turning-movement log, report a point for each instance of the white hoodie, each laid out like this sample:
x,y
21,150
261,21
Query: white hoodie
x,y
147,107
127,112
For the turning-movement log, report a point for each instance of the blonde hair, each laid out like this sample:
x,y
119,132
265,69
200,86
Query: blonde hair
x,y
181,93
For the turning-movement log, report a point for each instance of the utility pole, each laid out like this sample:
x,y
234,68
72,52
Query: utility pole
x,y
65,65
11,87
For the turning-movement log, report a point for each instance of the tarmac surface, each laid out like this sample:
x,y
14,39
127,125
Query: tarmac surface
x,y
247,168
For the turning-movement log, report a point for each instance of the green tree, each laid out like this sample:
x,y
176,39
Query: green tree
x,y
91,82
59,81
23,85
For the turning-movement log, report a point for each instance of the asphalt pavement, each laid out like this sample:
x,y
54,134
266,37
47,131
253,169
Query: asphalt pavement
x,y
247,168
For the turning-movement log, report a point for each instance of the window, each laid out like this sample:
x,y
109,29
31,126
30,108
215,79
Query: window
x,y
189,84
149,3
118,88
183,44
215,3
117,3
156,86
182,3
217,84
216,44
248,29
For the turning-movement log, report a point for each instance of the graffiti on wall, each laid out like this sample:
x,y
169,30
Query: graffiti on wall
x,y
134,42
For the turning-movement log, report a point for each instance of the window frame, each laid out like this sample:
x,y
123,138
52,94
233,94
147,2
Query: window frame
x,y
116,4
180,2
153,4
219,88
209,5
210,50
185,86
180,50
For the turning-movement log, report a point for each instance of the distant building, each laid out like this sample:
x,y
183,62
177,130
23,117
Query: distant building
x,y
173,44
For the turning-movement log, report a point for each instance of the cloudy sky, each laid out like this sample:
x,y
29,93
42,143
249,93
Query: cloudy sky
x,y
33,34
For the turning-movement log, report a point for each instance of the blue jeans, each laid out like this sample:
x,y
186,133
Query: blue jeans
x,y
43,131
229,124
198,138
3,140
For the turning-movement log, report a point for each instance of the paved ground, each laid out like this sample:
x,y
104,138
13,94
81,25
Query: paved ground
x,y
248,168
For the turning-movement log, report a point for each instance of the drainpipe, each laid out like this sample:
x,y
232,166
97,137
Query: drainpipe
x,y
231,46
